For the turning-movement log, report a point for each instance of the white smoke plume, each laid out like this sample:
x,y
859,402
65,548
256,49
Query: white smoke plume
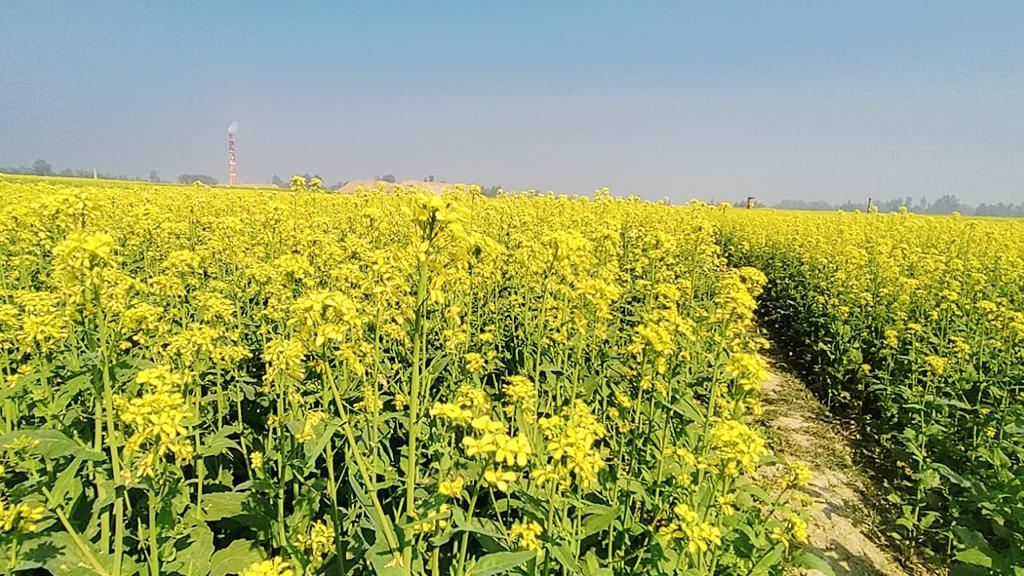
x,y
233,128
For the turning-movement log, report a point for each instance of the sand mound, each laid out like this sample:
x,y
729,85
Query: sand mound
x,y
435,187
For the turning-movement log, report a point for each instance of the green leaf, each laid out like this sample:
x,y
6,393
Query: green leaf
x,y
952,476
315,447
66,393
770,559
975,557
60,555
687,409
195,559
600,519
364,501
813,562
531,504
384,561
483,526
592,566
219,442
238,556
500,562
67,484
564,556
105,486
50,444
220,505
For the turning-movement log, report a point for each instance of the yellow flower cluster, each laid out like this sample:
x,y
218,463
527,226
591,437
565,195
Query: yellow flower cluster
x,y
798,474
273,567
284,359
317,542
795,530
34,324
452,487
686,525
157,420
497,448
737,448
19,518
571,441
81,258
313,419
525,535
523,396
748,370
438,519
469,402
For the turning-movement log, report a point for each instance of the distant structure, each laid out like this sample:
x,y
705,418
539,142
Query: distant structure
x,y
750,202
232,172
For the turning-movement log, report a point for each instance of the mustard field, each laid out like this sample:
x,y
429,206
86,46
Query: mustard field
x,y
209,381
205,381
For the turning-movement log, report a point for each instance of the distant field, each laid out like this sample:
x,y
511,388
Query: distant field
x,y
100,182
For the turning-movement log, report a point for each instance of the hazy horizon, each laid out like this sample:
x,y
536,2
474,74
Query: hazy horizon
x,y
717,101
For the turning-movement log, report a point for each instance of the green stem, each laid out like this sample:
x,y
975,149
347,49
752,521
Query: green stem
x,y
115,460
460,569
414,404
346,427
154,550
75,537
339,554
281,471
14,552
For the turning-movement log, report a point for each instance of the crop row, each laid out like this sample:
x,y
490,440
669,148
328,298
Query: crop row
x,y
914,328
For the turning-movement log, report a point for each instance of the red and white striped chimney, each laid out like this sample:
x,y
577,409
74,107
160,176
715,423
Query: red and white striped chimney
x,y
232,172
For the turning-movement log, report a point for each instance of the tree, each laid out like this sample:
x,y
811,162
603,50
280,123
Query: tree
x,y
946,205
202,178
153,176
42,168
276,181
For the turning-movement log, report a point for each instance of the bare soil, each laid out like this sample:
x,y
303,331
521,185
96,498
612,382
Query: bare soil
x,y
842,527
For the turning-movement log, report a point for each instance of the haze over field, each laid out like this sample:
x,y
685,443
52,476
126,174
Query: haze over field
x,y
715,100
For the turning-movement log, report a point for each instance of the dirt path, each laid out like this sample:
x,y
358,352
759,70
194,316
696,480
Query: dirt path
x,y
840,527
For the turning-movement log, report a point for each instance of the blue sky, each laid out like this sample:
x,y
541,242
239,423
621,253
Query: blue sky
x,y
719,100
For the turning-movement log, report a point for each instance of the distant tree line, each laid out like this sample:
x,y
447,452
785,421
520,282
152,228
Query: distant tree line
x,y
43,168
943,205
1000,209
